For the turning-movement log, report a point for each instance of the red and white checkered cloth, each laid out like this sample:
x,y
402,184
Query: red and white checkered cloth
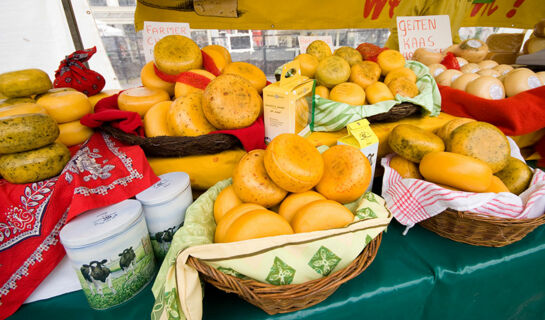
x,y
414,200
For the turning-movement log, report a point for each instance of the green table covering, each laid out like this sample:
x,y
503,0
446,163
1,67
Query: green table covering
x,y
418,276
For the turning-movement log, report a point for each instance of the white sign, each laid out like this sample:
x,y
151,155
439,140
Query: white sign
x,y
304,41
431,32
153,31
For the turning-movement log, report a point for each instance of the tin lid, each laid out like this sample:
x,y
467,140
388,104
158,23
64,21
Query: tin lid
x,y
99,224
167,188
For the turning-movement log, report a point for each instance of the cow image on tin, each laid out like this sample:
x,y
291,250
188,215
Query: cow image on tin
x,y
96,274
127,260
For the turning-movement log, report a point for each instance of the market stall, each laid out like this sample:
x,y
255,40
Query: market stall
x,y
306,195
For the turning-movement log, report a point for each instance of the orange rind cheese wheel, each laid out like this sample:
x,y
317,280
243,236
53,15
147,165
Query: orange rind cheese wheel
x,y
227,199
293,163
349,93
220,60
402,72
186,117
230,216
308,64
222,50
365,73
183,89
321,215
151,80
322,91
155,120
65,106
249,72
73,133
378,92
140,99
389,60
331,71
295,201
404,87
175,54
405,168
257,224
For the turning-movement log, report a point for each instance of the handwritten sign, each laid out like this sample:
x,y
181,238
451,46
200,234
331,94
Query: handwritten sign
x,y
431,32
153,31
304,41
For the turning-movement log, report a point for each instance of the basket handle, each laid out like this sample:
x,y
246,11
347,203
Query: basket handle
x,y
290,68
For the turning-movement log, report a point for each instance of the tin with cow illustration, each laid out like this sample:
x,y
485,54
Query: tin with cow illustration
x,y
164,205
111,252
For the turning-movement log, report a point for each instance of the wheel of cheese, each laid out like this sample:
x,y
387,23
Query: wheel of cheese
x,y
503,69
53,90
175,54
331,71
322,91
184,89
436,69
151,80
229,217
447,77
489,72
402,72
257,224
378,92
252,183
231,102
519,80
461,61
486,87
347,174
155,120
140,99
445,131
302,114
66,106
461,82
364,73
351,55
404,167
349,93
186,117
470,68
227,199
403,87
73,133
541,76
516,175
101,95
249,72
487,64
321,215
295,201
21,108
224,52
389,60
497,186
427,57
320,49
220,60
308,64
293,163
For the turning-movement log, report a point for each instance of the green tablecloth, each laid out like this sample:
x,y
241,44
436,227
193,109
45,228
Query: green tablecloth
x,y
418,276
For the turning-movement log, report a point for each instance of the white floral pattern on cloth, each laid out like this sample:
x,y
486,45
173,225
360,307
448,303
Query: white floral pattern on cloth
x,y
24,220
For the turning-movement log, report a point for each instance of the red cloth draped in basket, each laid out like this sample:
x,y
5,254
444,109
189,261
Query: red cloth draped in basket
x,y
102,172
517,115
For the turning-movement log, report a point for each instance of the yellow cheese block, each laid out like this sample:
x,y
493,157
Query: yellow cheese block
x,y
182,89
227,199
155,120
151,80
141,99
257,224
101,95
21,108
295,201
66,106
321,215
186,117
227,220
73,133
204,170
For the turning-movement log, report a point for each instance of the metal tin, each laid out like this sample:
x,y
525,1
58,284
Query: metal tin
x,y
164,206
111,252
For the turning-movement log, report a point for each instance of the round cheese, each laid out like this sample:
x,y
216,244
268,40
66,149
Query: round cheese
x,y
470,68
140,99
155,120
503,69
321,215
295,201
101,95
389,60
186,117
151,80
66,106
489,72
400,73
184,89
378,92
249,72
447,77
308,64
364,73
349,93
461,82
227,199
403,87
257,224
436,69
520,80
486,87
351,55
218,56
21,108
461,61
487,64
229,217
175,54
322,91
73,133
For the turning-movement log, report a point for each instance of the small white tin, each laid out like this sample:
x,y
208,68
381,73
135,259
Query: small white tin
x,y
111,252
164,206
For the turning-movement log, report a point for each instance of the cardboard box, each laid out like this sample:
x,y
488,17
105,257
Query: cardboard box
x,y
287,103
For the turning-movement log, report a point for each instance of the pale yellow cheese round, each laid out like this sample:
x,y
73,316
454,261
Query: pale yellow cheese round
x,y
503,69
140,99
295,201
257,224
470,68
402,72
461,82
349,93
186,117
321,215
486,87
226,200
447,77
66,106
101,95
229,217
461,61
487,64
155,120
73,133
489,72
389,60
174,54
520,80
541,76
436,69
151,80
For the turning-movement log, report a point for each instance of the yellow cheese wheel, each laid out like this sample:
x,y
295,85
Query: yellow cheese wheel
x,y
182,89
204,170
445,131
331,71
186,117
486,87
257,224
473,50
487,64
302,113
53,90
461,61
155,120
404,87
249,72
101,95
402,72
321,215
412,142
349,93
541,77
216,47
229,217
461,82
488,72
322,91
73,133
389,60
405,168
364,73
220,61
21,108
320,49
516,175
519,80
252,183
347,174
174,54
293,163
295,201
227,199
456,170
436,69
151,80
497,186
4,102
427,57
470,68
66,106
141,99
378,92
447,77
308,64
351,55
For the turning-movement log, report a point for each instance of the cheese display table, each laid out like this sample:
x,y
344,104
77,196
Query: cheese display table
x,y
419,276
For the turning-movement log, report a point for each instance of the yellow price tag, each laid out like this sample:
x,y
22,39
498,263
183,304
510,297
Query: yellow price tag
x,y
362,132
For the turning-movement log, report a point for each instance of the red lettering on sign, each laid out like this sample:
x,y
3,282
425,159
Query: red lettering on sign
x,y
393,5
373,5
488,8
512,12
433,24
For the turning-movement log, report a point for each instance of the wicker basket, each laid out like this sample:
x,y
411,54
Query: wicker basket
x,y
281,299
478,230
396,113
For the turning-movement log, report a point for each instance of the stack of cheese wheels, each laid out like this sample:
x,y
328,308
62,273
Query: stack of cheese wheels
x,y
281,178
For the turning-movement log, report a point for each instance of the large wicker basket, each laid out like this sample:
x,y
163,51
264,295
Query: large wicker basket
x,y
478,230
281,299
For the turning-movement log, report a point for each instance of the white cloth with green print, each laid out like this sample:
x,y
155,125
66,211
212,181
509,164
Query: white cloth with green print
x,y
328,115
288,259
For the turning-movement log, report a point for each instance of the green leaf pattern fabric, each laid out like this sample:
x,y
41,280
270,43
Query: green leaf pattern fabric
x,y
324,261
281,273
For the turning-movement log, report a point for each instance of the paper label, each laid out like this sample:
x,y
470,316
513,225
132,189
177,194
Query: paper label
x,y
153,31
362,132
304,41
430,32
496,92
533,82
